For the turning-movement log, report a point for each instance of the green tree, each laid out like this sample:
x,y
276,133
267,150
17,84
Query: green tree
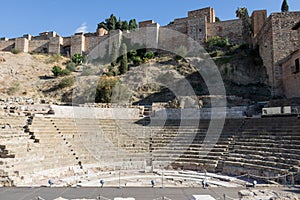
x,y
119,24
125,25
284,6
115,54
132,24
124,62
104,89
102,25
111,22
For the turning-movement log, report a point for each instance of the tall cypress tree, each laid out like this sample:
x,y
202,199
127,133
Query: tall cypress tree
x,y
132,24
114,55
124,62
284,6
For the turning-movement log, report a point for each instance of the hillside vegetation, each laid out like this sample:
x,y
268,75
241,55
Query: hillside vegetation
x,y
55,77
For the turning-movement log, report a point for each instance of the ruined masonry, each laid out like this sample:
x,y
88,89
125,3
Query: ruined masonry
x,y
274,36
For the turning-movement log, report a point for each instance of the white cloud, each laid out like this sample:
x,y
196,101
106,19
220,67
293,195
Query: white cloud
x,y
82,28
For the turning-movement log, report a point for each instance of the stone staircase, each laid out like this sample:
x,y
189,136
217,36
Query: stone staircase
x,y
265,147
15,141
37,148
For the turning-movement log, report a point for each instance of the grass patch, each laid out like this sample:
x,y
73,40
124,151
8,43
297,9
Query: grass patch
x,y
13,89
55,58
66,82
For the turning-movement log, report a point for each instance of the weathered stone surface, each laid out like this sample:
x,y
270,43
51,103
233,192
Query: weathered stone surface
x,y
2,59
266,195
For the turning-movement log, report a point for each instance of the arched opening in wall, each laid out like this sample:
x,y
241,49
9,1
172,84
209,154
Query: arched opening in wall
x,y
66,50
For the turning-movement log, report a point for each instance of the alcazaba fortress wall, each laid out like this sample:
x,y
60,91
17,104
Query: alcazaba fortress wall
x,y
274,37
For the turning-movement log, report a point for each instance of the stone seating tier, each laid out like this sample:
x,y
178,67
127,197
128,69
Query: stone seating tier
x,y
255,146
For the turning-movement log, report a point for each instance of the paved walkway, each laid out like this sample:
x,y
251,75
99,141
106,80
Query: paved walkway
x,y
137,193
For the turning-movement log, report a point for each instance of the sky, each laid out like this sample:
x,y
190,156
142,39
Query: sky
x,y
69,16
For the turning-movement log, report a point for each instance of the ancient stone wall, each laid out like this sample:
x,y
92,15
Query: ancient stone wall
x,y
136,37
170,40
299,38
285,39
101,32
115,36
273,36
179,25
96,113
209,13
258,19
145,23
203,113
276,40
67,41
231,29
197,29
77,44
92,42
55,44
291,76
38,46
7,45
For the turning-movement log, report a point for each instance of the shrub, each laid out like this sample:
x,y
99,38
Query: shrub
x,y
85,58
149,55
65,72
56,70
131,54
104,89
217,41
77,58
217,53
66,82
54,58
71,66
13,89
137,60
15,51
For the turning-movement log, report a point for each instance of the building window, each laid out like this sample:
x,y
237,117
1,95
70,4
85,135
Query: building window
x,y
297,65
